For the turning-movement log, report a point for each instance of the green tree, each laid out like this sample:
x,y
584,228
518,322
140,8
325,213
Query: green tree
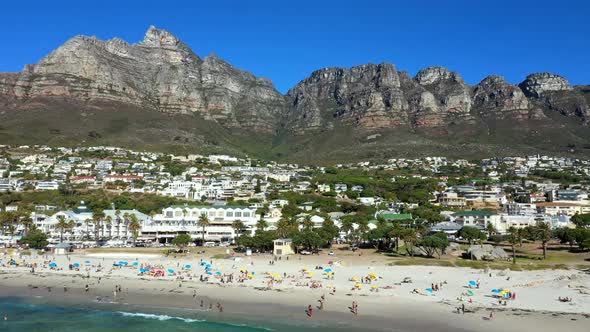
x,y
543,233
308,239
581,220
134,227
471,234
286,228
434,244
97,218
203,223
62,226
182,240
514,238
238,226
35,239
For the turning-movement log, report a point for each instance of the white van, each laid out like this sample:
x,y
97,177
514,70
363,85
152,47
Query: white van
x,y
210,244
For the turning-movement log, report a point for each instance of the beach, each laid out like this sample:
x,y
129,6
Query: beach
x,y
384,302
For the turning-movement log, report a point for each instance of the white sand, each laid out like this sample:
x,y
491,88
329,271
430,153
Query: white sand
x,y
536,290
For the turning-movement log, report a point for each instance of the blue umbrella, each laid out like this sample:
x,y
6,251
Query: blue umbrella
x,y
52,265
170,271
87,262
429,290
76,265
187,266
253,273
328,270
495,291
472,283
209,273
203,263
135,263
207,268
218,273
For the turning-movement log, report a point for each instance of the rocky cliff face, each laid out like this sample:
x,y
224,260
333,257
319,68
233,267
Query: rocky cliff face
x,y
377,96
163,74
160,73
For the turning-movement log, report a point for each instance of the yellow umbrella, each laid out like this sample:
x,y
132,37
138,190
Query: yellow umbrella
x,y
355,279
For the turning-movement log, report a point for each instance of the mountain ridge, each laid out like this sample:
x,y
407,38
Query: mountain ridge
x,y
163,74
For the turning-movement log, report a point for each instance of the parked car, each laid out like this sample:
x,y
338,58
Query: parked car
x,y
209,244
305,252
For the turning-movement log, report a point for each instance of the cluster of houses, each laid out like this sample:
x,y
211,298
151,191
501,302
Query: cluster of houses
x,y
227,189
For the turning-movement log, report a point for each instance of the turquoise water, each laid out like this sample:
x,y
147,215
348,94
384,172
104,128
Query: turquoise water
x,y
27,317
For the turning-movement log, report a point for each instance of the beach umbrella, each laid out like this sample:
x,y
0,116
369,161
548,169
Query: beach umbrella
x,y
253,273
170,271
76,265
472,283
429,290
53,264
328,270
470,292
135,263
242,270
203,263
187,266
496,291
86,262
355,279
210,273
218,273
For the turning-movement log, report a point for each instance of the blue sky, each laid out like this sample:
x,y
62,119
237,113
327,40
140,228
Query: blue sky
x,y
287,41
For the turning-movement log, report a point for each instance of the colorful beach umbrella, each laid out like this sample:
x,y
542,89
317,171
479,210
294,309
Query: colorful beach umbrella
x,y
218,273
470,292
87,262
170,271
135,263
53,264
187,266
76,265
328,270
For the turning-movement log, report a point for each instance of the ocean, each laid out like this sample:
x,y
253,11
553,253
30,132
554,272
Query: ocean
x,y
38,315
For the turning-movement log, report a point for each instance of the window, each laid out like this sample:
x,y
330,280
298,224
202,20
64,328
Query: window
x,y
211,213
203,213
238,214
168,214
195,213
220,213
229,214
246,214
178,213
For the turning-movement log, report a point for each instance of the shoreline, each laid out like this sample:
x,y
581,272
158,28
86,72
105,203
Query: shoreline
x,y
245,305
385,302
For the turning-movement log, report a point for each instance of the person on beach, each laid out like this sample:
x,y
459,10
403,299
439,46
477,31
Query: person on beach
x,y
86,288
201,303
491,315
310,311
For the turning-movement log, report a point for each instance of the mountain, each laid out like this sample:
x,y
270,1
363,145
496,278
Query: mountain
x,y
159,94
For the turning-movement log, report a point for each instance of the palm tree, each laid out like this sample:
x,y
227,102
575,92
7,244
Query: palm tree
x,y
87,222
109,224
285,227
307,223
125,221
63,225
97,217
363,227
514,238
184,214
261,225
27,222
490,229
410,238
237,225
347,227
134,227
203,222
543,233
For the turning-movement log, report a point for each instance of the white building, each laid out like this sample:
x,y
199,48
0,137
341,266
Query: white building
x,y
183,219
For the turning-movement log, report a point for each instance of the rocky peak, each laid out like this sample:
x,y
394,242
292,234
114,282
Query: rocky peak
x,y
536,85
432,75
160,38
495,96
